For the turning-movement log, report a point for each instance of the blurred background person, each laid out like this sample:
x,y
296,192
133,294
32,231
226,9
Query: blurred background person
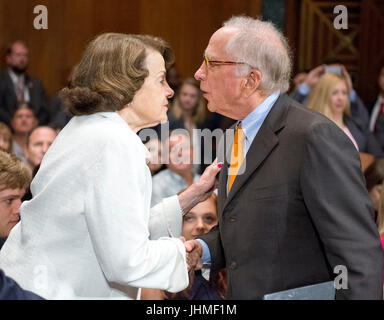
x,y
15,178
58,115
374,177
377,108
199,220
380,216
330,97
22,123
298,79
174,79
6,141
376,124
179,172
154,147
358,111
16,86
189,111
38,143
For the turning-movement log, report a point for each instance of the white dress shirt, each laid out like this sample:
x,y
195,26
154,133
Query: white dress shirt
x,y
15,79
85,233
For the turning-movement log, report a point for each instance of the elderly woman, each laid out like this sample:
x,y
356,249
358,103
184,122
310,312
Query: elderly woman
x,y
86,232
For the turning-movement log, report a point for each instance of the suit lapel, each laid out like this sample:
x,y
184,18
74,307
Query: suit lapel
x,y
262,145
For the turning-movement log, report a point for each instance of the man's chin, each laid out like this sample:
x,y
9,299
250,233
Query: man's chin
x,y
19,70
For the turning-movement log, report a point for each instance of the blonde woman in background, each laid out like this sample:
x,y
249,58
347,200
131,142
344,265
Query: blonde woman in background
x,y
330,97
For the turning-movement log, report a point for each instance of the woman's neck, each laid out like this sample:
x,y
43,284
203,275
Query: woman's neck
x,y
134,120
21,140
338,119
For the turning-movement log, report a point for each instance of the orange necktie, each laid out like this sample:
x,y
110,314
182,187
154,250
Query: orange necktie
x,y
237,155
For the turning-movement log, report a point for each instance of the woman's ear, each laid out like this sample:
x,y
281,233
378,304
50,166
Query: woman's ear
x,y
251,82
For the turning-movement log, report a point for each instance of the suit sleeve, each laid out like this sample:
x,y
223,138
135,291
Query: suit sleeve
x,y
334,192
166,219
213,240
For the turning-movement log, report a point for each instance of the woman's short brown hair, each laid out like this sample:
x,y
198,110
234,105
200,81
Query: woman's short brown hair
x,y
14,174
111,70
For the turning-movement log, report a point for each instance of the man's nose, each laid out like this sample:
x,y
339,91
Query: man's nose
x,y
200,74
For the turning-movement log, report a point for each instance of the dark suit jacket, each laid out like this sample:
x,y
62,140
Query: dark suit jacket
x,y
364,138
300,209
8,99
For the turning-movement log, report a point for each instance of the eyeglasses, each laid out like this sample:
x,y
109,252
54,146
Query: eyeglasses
x,y
209,63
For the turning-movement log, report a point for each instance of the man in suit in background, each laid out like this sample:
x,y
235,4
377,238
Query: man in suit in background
x,y
16,86
293,207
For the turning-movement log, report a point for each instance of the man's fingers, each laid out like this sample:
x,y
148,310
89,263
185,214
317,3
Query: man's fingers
x,y
189,245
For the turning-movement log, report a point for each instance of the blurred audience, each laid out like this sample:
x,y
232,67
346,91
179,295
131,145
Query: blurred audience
x,y
14,179
22,123
154,162
298,79
377,108
16,86
189,111
174,79
374,177
38,143
376,124
6,141
59,117
199,220
179,172
358,111
380,216
330,97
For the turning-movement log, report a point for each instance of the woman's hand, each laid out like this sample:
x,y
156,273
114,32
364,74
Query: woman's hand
x,y
202,189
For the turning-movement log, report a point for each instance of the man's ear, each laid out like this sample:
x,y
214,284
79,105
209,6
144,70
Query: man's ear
x,y
251,82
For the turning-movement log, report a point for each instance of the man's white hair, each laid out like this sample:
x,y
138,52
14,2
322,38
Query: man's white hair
x,y
262,46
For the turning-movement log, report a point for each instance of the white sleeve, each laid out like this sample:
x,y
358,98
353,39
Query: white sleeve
x,y
166,219
117,214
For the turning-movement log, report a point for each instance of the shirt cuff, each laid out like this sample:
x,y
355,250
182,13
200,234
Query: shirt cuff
x,y
352,96
304,89
206,259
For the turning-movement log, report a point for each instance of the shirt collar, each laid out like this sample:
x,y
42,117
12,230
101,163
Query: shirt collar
x,y
253,121
14,76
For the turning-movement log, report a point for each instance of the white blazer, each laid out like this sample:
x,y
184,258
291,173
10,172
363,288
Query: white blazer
x,y
85,233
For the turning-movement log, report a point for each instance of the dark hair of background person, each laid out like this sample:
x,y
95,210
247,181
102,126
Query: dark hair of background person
x,y
112,69
374,174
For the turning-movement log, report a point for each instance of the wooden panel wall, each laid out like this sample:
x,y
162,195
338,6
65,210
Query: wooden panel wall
x,y
186,24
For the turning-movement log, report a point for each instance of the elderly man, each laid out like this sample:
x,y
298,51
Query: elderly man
x,y
296,210
38,143
16,86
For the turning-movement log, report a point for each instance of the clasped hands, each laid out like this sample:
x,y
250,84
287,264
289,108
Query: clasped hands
x,y
194,252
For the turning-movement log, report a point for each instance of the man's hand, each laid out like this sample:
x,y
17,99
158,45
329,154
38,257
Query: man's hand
x,y
194,255
314,75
